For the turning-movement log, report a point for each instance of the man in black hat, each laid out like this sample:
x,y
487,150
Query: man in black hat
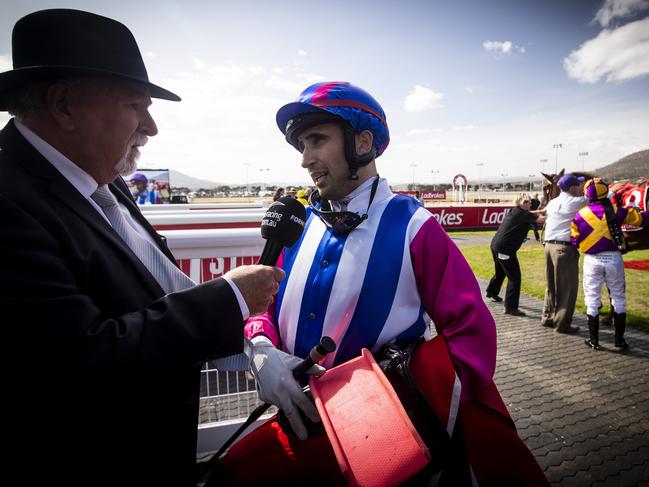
x,y
91,296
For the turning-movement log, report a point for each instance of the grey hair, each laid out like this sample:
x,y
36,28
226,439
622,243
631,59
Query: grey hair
x,y
23,102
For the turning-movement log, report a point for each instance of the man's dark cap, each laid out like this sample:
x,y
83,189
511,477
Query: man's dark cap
x,y
568,180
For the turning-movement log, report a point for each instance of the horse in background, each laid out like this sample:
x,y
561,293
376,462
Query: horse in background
x,y
551,187
632,194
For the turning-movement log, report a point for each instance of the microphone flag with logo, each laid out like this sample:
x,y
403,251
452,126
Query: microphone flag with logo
x,y
281,226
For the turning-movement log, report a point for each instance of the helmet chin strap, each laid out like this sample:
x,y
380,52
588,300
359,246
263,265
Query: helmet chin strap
x,y
354,160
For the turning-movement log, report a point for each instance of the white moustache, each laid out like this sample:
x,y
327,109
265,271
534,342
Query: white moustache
x,y
140,140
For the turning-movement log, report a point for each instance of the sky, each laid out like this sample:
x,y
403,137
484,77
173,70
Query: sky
x,y
473,87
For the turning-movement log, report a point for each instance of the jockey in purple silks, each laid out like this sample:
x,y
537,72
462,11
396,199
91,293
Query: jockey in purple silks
x,y
596,232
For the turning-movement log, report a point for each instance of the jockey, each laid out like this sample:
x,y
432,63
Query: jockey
x,y
143,195
371,269
301,197
596,232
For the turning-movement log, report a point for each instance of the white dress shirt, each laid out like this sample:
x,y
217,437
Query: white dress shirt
x,y
560,211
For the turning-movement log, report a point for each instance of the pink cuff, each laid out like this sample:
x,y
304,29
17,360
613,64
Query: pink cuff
x,y
261,325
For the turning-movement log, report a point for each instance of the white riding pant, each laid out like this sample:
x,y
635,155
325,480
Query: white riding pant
x,y
605,267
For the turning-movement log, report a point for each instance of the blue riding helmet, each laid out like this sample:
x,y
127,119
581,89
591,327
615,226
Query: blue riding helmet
x,y
138,176
337,101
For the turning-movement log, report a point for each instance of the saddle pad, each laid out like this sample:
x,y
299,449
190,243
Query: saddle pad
x,y
372,437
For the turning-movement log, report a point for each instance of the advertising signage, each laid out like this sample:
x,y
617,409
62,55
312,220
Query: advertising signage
x,y
427,195
149,186
455,217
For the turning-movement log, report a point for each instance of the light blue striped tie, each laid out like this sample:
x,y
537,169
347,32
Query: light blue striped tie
x,y
163,270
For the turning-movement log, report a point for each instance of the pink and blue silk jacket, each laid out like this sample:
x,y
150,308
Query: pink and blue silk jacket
x,y
589,229
376,285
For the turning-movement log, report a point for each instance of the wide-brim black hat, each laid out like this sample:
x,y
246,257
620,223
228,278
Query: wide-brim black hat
x,y
65,43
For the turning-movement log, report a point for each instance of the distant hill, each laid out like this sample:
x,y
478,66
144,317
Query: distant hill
x,y
633,166
180,180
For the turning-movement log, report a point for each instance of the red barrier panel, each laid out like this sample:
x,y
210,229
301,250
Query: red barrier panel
x,y
453,217
213,267
206,225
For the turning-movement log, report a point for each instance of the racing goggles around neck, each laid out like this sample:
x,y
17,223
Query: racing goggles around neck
x,y
340,222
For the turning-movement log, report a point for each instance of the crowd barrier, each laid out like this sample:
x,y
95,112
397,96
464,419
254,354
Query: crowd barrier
x,y
170,210
204,220
202,206
459,217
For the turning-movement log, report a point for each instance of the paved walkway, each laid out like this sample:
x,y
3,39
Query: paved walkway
x,y
584,414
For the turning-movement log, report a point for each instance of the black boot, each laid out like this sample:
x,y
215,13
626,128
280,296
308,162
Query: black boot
x,y
620,326
593,331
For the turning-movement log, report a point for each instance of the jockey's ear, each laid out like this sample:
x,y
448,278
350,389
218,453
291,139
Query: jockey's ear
x,y
561,173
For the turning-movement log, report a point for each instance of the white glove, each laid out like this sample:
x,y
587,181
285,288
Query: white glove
x,y
276,385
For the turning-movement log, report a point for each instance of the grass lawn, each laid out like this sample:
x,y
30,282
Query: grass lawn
x,y
531,260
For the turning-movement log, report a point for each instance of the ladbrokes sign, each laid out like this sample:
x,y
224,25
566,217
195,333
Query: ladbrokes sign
x,y
469,216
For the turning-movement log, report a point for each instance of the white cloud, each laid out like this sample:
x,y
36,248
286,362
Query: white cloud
x,y
226,118
5,63
618,9
417,132
616,55
151,55
469,90
422,132
505,47
301,52
465,127
422,99
289,86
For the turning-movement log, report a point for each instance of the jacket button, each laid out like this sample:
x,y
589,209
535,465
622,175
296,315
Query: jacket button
x,y
312,316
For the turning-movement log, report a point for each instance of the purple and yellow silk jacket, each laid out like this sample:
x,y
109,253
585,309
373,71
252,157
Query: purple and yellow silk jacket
x,y
589,230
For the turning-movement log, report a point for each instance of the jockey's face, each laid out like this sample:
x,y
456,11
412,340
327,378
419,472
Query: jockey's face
x,y
324,156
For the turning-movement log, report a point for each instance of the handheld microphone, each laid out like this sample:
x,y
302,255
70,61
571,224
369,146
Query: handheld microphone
x,y
281,226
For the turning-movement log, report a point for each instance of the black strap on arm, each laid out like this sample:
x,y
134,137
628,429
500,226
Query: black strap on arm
x,y
613,225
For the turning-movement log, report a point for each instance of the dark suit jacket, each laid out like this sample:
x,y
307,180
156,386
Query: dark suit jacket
x,y
101,369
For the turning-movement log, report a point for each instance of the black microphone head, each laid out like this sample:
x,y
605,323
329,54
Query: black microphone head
x,y
284,221
326,345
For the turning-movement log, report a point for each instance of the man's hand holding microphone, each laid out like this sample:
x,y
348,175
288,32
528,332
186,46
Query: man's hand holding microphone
x,y
257,284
